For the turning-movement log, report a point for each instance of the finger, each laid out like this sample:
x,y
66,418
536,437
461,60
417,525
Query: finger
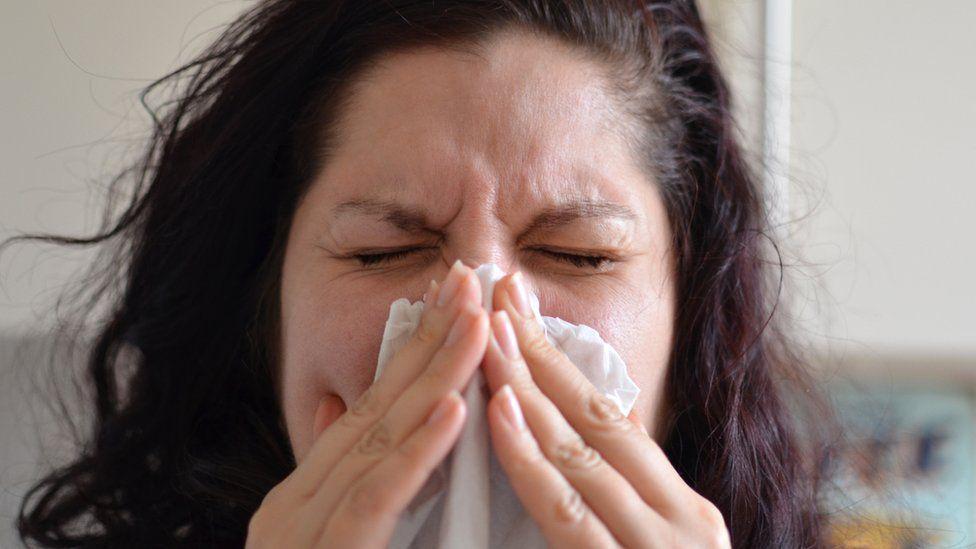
x,y
594,416
439,314
635,419
370,508
607,492
329,409
554,504
450,369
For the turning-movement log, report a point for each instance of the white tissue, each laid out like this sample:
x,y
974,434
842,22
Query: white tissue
x,y
468,501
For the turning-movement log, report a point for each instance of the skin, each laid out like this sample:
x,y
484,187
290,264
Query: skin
x,y
476,148
480,146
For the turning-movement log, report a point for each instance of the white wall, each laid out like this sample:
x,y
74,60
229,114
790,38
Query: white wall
x,y
70,117
884,115
881,168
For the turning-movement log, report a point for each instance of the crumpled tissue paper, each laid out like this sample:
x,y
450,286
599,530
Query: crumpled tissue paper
x,y
467,501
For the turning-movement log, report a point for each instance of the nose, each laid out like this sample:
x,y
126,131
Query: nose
x,y
475,260
475,256
477,247
479,243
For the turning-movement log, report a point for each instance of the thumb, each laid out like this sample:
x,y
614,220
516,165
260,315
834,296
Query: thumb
x,y
329,410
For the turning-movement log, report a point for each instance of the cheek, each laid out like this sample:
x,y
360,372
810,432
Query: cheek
x,y
635,318
330,342
643,339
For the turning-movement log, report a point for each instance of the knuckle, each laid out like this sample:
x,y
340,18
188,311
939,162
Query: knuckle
x,y
366,500
570,509
410,453
259,528
525,385
376,441
603,413
576,454
536,345
527,461
711,524
710,514
273,498
436,375
367,406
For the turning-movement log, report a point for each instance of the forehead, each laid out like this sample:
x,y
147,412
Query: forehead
x,y
523,116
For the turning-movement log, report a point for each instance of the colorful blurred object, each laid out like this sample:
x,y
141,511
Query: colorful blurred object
x,y
903,475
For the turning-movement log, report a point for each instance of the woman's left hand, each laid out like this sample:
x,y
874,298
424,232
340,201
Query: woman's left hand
x,y
586,474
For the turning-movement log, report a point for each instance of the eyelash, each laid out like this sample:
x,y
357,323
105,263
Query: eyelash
x,y
595,261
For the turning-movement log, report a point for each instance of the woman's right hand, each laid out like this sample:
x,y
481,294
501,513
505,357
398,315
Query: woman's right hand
x,y
365,468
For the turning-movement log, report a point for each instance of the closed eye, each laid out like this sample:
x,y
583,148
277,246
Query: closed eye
x,y
578,260
367,260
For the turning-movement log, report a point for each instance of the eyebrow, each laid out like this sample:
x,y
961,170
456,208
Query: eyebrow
x,y
569,212
412,219
406,218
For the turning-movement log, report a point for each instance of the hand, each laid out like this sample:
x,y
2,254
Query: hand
x,y
585,474
365,467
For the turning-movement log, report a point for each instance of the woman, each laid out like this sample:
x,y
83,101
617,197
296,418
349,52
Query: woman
x,y
326,158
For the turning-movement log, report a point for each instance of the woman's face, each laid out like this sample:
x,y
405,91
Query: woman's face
x,y
513,158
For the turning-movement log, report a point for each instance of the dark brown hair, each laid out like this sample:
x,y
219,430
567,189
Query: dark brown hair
x,y
187,435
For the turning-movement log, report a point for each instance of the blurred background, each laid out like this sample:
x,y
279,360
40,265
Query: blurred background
x,y
861,113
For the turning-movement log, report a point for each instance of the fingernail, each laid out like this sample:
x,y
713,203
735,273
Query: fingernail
x,y
431,289
461,326
520,298
504,334
452,283
440,412
511,409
